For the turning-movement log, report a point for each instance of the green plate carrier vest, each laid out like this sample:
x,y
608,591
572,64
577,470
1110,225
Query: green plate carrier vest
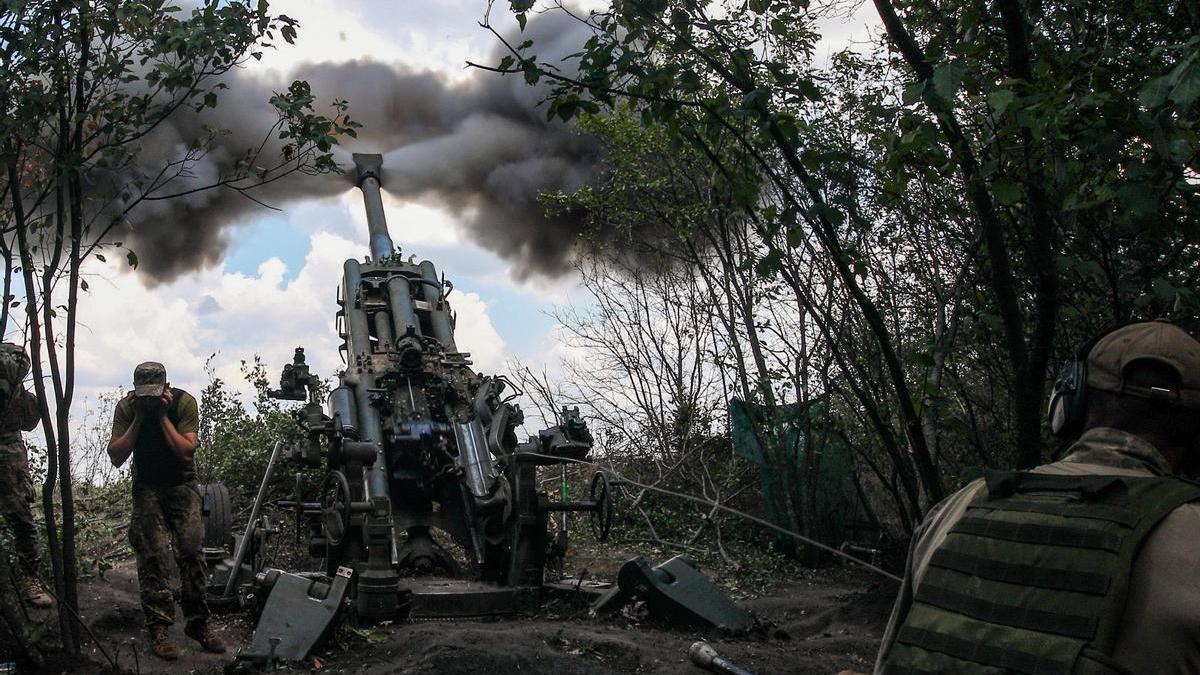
x,y
1034,577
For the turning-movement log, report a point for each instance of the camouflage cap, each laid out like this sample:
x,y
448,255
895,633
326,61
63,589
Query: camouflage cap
x,y
1158,341
149,379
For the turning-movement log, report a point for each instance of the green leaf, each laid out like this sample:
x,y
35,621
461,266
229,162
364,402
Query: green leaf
x,y
810,90
100,257
1000,100
1163,289
1155,91
795,237
1186,87
914,92
752,99
132,259
1006,192
566,108
506,62
835,217
769,264
371,635
947,78
532,74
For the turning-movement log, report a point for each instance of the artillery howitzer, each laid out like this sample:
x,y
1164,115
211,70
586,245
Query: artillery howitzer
x,y
410,441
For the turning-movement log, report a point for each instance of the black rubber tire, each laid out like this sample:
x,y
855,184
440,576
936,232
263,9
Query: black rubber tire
x,y
218,516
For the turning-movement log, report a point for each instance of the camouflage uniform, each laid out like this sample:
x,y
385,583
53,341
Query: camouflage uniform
x,y
16,485
166,515
165,518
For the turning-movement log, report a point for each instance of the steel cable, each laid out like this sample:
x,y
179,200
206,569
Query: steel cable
x,y
722,507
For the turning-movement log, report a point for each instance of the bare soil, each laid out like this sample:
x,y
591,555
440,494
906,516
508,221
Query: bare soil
x,y
819,621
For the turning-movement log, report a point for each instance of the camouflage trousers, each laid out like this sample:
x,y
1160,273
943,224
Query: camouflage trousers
x,y
166,518
16,499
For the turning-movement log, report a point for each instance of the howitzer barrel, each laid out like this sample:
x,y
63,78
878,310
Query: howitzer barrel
x,y
370,169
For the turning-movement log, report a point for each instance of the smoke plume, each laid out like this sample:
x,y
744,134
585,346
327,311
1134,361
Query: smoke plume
x,y
481,147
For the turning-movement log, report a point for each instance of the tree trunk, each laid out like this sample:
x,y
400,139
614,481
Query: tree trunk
x,y
39,385
6,251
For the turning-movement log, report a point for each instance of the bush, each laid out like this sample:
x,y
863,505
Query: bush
x,y
236,442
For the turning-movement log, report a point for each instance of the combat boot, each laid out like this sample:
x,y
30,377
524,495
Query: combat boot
x,y
160,643
200,631
33,593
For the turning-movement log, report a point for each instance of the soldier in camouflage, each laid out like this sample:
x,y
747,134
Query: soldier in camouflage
x,y
157,425
1085,565
19,412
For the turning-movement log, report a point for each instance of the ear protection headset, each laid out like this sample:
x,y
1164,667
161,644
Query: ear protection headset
x,y
1068,398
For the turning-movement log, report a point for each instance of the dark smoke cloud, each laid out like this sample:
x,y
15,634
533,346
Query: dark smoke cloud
x,y
480,146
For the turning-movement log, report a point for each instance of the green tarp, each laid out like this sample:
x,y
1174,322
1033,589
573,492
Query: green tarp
x,y
837,511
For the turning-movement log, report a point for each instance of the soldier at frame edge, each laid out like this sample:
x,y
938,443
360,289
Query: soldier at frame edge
x,y
157,425
1082,565
19,412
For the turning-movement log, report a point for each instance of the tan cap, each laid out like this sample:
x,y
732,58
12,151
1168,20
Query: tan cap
x,y
1153,340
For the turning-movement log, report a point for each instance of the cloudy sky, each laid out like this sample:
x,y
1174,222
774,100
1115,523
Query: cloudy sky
x,y
273,286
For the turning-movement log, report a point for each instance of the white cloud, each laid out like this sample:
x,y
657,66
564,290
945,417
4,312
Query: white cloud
x,y
236,315
122,324
437,36
181,323
841,30
475,333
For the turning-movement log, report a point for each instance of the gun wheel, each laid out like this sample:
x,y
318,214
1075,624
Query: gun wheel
x,y
335,506
602,516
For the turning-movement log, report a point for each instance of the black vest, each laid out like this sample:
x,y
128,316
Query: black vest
x,y
154,462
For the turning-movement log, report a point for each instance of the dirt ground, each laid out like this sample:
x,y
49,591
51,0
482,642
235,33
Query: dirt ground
x,y
824,621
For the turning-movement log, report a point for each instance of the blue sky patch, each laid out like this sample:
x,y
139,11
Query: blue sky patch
x,y
261,239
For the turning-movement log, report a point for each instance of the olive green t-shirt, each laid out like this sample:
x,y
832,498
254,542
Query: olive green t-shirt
x,y
154,463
